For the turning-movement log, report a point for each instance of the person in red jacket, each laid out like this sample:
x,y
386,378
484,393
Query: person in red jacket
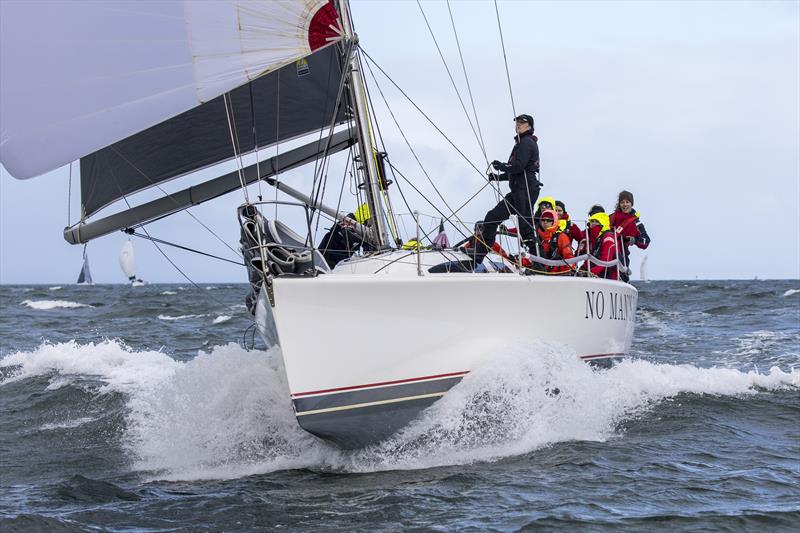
x,y
603,245
566,225
625,221
554,243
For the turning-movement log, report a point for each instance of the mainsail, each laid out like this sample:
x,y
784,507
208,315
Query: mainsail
x,y
295,100
79,76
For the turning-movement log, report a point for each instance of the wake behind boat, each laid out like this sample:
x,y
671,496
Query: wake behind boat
x,y
373,324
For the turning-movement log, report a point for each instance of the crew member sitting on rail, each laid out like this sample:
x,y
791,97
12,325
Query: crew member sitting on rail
x,y
625,221
596,208
603,246
342,241
554,243
545,202
566,225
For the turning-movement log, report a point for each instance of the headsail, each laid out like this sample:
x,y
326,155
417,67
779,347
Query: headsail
x,y
79,76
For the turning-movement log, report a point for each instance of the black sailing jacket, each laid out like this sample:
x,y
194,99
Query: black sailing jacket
x,y
523,163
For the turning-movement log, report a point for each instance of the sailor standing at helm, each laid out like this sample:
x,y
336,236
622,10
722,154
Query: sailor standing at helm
x,y
520,172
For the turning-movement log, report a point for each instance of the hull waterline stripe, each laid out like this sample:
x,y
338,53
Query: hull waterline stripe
x,y
369,404
602,355
423,378
381,384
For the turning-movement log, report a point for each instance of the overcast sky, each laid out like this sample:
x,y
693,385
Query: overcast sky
x,y
692,106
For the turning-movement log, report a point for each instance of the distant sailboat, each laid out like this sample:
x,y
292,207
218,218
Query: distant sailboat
x,y
127,264
85,277
643,274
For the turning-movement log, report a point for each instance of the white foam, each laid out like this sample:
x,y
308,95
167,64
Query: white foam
x,y
179,317
230,409
116,365
56,288
53,304
220,319
67,424
791,292
168,293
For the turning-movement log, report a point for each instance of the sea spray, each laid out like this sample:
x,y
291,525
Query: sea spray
x,y
227,414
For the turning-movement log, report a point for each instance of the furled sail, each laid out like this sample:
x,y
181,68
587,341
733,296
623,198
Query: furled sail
x,y
79,76
297,99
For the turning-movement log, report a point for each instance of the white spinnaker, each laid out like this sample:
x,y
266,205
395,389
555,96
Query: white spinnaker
x,y
78,76
126,260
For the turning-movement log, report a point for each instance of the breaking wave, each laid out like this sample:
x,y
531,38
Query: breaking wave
x,y
179,317
53,304
221,318
791,292
230,408
168,293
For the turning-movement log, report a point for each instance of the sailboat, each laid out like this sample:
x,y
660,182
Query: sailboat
x,y
128,265
85,277
193,84
644,275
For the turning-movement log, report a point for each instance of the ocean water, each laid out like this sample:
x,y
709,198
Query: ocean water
x,y
140,409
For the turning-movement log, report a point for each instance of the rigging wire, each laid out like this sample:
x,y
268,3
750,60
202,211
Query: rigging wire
x,y
384,195
162,252
168,195
452,81
321,172
505,59
236,155
255,136
277,143
175,245
69,195
383,143
430,121
402,133
511,208
466,79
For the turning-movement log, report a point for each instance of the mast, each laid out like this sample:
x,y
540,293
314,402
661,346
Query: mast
x,y
372,183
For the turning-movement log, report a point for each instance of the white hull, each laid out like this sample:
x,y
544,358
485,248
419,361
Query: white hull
x,y
345,356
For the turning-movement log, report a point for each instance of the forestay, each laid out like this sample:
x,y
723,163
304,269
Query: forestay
x,y
79,76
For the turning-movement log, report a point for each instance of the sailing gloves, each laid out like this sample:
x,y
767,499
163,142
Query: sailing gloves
x,y
497,165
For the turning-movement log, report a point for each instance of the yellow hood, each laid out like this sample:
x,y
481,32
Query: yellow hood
x,y
549,199
602,218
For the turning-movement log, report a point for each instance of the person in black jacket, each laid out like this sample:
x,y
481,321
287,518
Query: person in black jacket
x,y
342,241
521,173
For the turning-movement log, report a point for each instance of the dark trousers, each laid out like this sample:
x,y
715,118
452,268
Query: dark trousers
x,y
515,203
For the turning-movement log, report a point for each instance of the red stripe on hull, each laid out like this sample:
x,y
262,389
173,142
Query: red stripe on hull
x,y
395,382
602,355
423,378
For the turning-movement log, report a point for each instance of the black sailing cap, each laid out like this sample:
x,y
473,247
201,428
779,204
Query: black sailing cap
x,y
525,118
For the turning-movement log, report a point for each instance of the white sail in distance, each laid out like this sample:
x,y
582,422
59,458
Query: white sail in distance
x,y
85,277
79,76
643,274
126,262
